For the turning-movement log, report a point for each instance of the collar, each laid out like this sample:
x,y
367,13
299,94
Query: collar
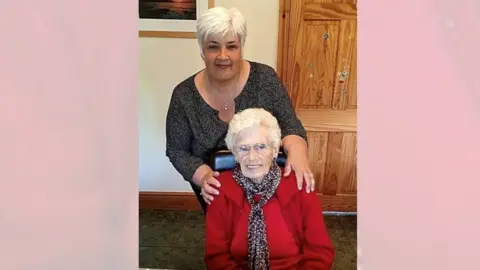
x,y
285,190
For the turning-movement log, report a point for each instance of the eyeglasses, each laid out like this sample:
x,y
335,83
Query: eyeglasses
x,y
258,147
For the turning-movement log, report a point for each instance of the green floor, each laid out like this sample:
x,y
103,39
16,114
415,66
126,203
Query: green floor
x,y
174,239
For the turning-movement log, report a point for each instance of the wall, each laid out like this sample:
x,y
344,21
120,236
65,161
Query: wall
x,y
164,62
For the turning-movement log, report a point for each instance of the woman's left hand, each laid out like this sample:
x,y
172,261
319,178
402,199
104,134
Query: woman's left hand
x,y
298,162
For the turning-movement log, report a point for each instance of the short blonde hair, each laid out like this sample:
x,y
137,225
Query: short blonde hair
x,y
219,22
254,117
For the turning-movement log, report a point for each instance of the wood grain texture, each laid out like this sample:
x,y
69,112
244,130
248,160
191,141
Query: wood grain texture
x,y
341,164
328,120
330,11
345,164
317,64
330,1
283,35
344,65
317,53
188,201
351,90
317,154
168,201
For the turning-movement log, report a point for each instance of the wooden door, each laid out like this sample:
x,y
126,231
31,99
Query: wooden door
x,y
317,62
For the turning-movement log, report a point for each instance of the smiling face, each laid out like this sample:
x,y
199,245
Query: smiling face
x,y
223,57
254,152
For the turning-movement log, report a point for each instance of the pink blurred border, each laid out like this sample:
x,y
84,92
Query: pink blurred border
x,y
418,135
68,195
68,121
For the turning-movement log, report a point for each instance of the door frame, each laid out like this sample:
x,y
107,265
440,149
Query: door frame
x,y
282,41
344,204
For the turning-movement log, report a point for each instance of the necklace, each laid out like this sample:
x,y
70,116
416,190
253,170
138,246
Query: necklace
x,y
223,102
225,106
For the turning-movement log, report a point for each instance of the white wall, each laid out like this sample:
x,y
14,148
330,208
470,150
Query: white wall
x,y
164,62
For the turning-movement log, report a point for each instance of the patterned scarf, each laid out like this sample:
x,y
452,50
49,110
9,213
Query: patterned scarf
x,y
258,253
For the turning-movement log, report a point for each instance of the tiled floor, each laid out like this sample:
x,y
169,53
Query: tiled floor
x,y
174,239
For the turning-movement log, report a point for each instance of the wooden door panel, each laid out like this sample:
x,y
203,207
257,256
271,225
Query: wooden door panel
x,y
330,1
351,90
333,157
317,154
328,120
329,11
317,58
344,65
341,162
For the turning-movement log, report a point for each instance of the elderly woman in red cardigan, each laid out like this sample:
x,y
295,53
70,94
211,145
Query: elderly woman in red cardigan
x,y
260,219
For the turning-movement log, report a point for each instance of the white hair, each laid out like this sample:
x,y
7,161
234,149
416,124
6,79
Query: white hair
x,y
253,117
220,21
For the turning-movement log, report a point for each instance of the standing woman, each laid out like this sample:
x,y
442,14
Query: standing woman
x,y
203,104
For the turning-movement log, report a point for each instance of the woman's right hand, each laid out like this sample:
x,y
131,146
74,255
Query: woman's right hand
x,y
209,185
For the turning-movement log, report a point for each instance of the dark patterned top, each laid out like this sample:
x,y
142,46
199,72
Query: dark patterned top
x,y
194,129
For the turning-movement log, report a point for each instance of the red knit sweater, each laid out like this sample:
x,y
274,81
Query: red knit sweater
x,y
296,234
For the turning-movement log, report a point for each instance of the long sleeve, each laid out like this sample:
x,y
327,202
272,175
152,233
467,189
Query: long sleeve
x,y
179,137
282,108
217,249
318,250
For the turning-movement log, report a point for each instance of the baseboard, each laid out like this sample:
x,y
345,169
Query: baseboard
x,y
188,201
168,200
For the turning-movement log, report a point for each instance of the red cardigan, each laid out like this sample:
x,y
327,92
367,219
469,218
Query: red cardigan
x,y
302,215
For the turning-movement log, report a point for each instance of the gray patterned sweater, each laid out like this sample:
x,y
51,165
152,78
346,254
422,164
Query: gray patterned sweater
x,y
194,129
